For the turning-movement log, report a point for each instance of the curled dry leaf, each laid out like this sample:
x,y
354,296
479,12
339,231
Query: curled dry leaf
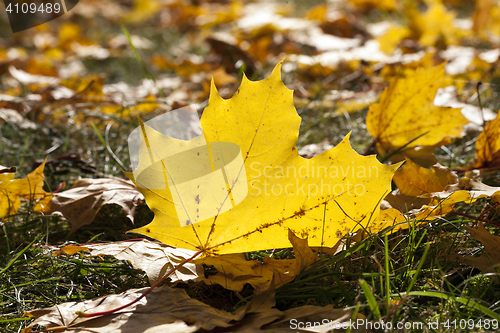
x,y
406,111
488,262
80,204
154,258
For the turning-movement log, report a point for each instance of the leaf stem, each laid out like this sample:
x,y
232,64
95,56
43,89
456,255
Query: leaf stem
x,y
150,289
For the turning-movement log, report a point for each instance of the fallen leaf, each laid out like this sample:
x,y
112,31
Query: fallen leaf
x,y
235,271
488,146
163,310
259,123
30,187
156,259
367,4
390,40
405,203
413,180
435,24
406,111
472,188
80,204
487,262
172,310
72,249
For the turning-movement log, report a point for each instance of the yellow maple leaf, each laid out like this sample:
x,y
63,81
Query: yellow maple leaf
x,y
406,114
30,187
241,185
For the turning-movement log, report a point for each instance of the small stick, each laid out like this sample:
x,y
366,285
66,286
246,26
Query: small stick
x,y
474,217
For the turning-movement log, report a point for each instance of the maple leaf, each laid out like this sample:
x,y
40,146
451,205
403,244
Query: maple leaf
x,y
414,180
172,310
235,271
30,187
271,188
390,40
435,24
406,114
153,258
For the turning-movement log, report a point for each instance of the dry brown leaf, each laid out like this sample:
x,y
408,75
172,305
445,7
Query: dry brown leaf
x,y
488,262
172,310
80,204
469,187
163,310
156,259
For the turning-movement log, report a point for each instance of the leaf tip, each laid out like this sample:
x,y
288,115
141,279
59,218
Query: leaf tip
x,y
214,93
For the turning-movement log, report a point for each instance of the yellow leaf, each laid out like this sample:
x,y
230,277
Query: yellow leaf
x,y
235,271
143,9
249,146
414,180
12,190
72,249
486,18
406,111
434,25
382,4
488,145
390,40
68,33
317,13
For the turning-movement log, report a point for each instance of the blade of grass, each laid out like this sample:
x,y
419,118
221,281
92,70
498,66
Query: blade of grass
x,y
136,53
372,302
463,300
402,147
387,279
419,267
354,316
13,260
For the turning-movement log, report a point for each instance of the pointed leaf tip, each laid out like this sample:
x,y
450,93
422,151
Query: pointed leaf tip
x,y
214,93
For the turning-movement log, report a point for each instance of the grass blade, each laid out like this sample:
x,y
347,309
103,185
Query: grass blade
x,y
372,302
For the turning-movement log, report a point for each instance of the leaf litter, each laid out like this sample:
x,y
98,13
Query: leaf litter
x,y
336,46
